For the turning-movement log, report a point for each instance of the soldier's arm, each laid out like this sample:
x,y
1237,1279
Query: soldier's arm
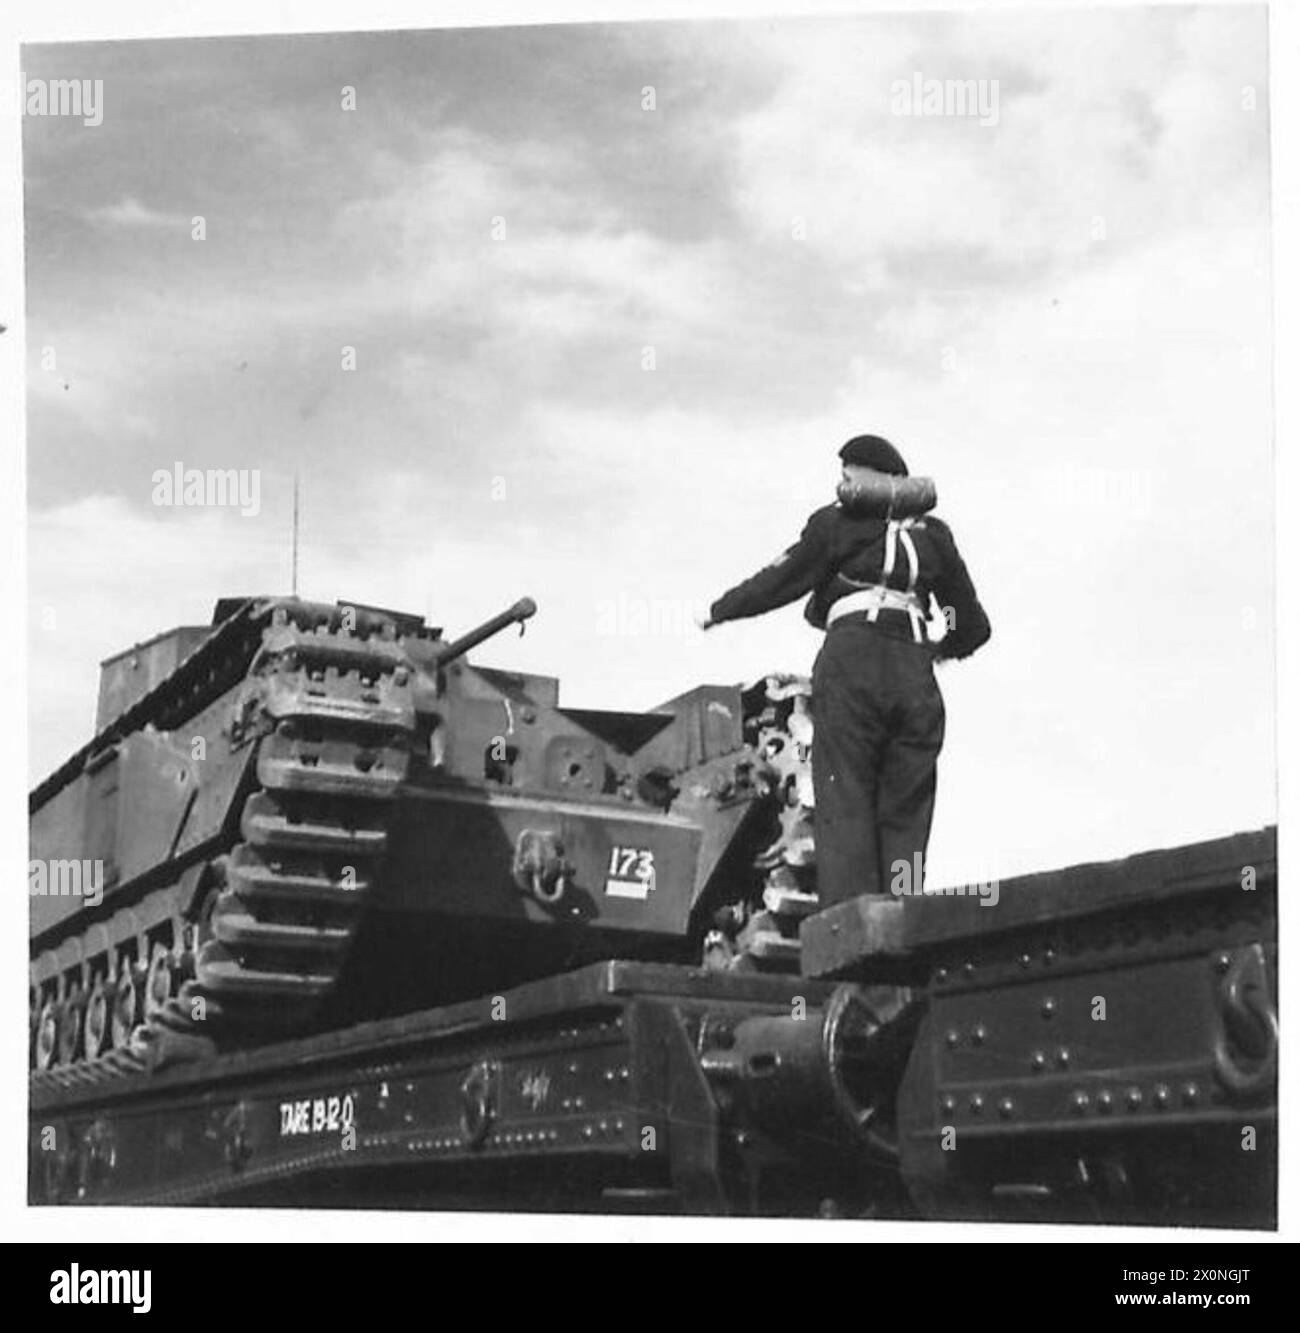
x,y
968,625
793,574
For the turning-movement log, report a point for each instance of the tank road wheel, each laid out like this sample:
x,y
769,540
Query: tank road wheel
x,y
160,983
98,1020
71,1031
128,1004
47,1035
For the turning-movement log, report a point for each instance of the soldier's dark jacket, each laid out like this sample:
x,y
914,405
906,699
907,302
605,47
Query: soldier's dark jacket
x,y
843,548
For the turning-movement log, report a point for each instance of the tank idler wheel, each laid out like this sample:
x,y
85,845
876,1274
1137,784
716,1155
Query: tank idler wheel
x,y
160,983
71,1031
127,1011
47,1036
98,1019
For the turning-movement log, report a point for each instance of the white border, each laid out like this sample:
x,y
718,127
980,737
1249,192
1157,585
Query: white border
x,y
54,20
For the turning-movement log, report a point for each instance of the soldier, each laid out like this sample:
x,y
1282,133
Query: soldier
x,y
872,563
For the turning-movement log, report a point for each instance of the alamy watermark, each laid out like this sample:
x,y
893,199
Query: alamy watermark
x,y
642,617
908,880
67,879
83,98
217,487
102,1286
958,98
1128,492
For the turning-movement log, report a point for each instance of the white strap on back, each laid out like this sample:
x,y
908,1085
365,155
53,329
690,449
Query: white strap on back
x,y
913,561
913,572
873,597
891,557
896,530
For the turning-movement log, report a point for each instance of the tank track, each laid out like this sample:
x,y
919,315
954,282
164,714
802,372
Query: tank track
x,y
762,933
328,701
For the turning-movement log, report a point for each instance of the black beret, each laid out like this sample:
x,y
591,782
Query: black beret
x,y
874,452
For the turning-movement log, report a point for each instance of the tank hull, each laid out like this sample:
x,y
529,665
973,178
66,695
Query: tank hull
x,y
319,813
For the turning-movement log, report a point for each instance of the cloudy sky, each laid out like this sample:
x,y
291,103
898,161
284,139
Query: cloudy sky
x,y
616,295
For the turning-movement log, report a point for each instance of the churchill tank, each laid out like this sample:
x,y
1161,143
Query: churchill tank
x,y
306,814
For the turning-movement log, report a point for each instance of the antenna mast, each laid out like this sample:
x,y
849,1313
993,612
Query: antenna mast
x,y
295,536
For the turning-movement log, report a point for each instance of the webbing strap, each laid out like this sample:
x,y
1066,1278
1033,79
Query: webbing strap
x,y
881,596
875,599
891,555
913,560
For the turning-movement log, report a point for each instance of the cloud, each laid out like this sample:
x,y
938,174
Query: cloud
x,y
131,212
521,239
1137,121
1093,403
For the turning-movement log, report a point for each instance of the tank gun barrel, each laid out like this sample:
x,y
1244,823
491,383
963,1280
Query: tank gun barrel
x,y
517,613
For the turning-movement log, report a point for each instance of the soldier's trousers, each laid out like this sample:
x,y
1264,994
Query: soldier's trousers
x,y
878,722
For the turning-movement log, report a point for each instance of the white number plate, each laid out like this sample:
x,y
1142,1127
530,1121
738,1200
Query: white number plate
x,y
631,873
318,1115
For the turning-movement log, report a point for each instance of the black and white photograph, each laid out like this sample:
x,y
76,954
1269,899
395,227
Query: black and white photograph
x,y
638,621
